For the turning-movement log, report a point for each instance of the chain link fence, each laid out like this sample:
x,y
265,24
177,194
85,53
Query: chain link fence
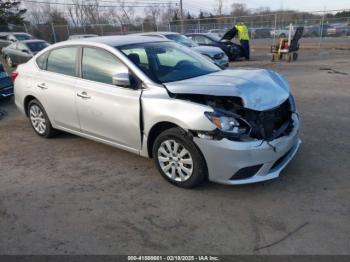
x,y
320,29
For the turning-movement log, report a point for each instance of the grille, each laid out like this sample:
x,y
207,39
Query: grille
x,y
246,172
265,123
280,160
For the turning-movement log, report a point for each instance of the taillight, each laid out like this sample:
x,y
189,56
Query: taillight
x,y
14,75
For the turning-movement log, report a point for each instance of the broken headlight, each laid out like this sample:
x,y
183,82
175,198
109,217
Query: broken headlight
x,y
227,124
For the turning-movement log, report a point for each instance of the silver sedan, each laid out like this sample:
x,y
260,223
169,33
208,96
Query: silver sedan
x,y
158,99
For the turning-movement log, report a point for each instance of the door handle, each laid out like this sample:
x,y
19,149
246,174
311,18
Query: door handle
x,y
42,86
83,95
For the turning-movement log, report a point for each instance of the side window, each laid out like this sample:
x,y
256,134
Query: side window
x,y
203,40
138,56
62,61
98,65
42,60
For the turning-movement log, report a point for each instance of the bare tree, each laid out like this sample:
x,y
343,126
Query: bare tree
x,y
218,7
169,13
239,9
153,12
77,13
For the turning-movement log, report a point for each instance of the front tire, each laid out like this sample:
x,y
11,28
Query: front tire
x,y
178,159
39,119
9,62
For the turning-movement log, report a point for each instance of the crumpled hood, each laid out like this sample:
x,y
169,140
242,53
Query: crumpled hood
x,y
208,50
259,89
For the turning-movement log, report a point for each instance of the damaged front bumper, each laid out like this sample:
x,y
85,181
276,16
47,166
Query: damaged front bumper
x,y
233,162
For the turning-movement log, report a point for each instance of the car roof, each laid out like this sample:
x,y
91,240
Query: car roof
x,y
83,34
120,40
31,41
198,34
159,33
13,33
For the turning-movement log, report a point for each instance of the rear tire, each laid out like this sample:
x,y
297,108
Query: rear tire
x,y
39,120
178,159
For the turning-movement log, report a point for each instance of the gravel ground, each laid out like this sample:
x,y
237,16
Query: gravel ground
x,y
69,195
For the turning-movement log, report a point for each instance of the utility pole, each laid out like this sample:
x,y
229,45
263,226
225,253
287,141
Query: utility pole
x,y
181,17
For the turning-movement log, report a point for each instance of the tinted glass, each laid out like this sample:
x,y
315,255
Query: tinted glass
x,y
139,57
203,40
181,39
21,37
99,65
62,61
168,61
37,46
214,37
41,61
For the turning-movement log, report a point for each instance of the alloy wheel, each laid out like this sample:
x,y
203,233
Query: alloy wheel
x,y
38,119
175,160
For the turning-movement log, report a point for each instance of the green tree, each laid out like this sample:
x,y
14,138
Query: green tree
x,y
10,12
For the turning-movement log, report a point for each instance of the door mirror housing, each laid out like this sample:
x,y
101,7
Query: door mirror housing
x,y
121,79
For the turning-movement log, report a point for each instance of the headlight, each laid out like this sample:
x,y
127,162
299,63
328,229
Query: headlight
x,y
226,123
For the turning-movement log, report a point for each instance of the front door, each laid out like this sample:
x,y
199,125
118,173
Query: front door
x,y
106,111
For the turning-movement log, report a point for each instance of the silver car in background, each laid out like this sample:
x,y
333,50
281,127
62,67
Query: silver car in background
x,y
161,100
213,53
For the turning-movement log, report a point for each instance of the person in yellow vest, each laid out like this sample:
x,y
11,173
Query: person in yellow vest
x,y
243,36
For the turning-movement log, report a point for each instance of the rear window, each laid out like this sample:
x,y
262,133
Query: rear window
x,y
22,37
37,46
62,61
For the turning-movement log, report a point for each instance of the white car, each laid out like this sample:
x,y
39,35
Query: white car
x,y
161,100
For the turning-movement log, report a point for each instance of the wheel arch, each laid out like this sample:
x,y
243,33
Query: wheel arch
x,y
155,131
26,102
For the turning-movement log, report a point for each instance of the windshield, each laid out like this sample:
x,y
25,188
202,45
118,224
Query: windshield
x,y
37,46
214,37
168,61
21,37
182,40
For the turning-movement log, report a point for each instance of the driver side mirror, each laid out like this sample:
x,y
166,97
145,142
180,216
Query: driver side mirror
x,y
121,79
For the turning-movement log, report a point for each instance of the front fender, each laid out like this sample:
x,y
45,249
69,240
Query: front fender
x,y
157,106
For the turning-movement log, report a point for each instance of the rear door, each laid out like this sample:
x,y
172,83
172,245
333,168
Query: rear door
x,y
55,85
107,111
22,53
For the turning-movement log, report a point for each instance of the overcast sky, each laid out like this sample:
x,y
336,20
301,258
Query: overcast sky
x,y
304,5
